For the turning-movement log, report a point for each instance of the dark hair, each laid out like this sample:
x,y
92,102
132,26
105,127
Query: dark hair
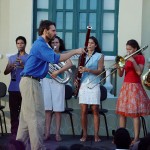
x,y
62,45
62,148
96,148
76,146
21,38
16,145
133,43
144,143
85,148
122,138
97,49
44,24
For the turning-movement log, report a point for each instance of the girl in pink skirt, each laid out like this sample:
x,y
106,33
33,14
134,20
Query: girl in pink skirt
x,y
133,100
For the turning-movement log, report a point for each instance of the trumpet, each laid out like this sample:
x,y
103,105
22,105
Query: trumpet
x,y
120,60
66,75
146,80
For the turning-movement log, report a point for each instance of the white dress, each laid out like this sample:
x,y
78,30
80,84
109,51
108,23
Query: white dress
x,y
86,95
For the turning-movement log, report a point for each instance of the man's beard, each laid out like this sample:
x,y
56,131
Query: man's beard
x,y
50,38
53,38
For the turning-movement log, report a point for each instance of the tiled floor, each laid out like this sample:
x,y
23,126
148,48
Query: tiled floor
x,y
68,140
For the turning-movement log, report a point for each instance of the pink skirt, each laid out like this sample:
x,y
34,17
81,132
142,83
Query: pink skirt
x,y
133,100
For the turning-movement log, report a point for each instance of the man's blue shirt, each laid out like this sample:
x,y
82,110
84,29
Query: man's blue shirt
x,y
40,56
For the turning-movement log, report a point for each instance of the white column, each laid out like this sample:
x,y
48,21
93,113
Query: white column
x,y
109,60
108,84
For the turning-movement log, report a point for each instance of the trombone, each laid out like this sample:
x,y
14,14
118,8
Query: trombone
x,y
118,60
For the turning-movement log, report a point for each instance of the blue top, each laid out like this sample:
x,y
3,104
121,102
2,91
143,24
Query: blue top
x,y
40,56
14,85
93,65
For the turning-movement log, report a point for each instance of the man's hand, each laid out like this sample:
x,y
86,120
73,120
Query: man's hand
x,y
80,51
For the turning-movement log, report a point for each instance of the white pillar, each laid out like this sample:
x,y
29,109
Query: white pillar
x,y
108,84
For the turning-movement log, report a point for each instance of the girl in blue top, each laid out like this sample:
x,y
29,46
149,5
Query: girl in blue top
x,y
93,66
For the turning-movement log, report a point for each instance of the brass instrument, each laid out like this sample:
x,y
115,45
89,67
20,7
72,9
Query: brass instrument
x,y
66,74
146,80
118,60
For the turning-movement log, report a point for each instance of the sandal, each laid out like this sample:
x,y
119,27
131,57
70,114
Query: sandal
x,y
58,138
97,139
83,139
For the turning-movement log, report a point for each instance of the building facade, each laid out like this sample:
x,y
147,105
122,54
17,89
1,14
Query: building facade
x,y
113,22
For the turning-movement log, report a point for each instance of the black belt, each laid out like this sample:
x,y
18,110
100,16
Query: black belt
x,y
38,79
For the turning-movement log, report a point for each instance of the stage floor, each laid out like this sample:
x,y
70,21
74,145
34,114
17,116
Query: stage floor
x,y
68,140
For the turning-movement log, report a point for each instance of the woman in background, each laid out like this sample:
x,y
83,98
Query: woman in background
x,y
54,101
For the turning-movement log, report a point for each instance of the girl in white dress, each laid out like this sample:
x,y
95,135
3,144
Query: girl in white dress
x,y
54,92
93,66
